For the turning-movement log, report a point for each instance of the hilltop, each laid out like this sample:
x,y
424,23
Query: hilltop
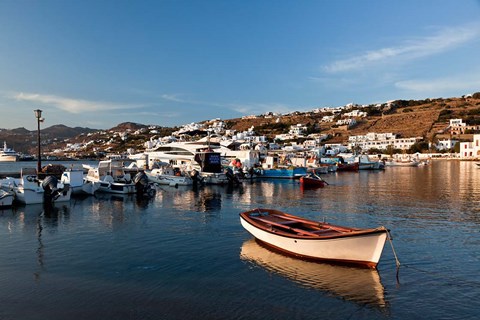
x,y
427,118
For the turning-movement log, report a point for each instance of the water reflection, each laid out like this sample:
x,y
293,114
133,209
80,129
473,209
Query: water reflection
x,y
35,220
362,286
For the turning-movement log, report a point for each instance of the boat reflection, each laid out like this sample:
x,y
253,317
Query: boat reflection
x,y
359,285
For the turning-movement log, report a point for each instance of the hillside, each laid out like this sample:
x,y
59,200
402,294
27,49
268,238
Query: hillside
x,y
414,118
407,118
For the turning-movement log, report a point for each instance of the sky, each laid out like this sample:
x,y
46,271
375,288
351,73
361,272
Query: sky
x,y
98,63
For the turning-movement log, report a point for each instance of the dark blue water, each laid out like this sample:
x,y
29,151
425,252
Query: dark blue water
x,y
184,254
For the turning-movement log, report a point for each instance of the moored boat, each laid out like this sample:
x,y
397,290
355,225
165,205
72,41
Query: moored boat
x,y
6,198
111,177
344,166
404,161
28,189
315,240
312,180
284,172
78,184
167,175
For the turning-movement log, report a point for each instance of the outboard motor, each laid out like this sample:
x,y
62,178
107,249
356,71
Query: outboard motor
x,y
142,184
232,179
195,175
49,186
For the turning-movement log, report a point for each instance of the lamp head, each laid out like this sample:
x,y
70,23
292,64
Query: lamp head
x,y
38,113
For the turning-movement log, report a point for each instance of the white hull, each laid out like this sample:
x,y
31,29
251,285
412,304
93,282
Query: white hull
x,y
362,249
401,163
114,187
110,177
7,154
8,158
214,178
6,198
169,180
77,182
162,177
28,190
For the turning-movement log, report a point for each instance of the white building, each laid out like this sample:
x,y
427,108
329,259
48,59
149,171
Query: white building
x,y
355,113
446,144
470,150
349,122
380,141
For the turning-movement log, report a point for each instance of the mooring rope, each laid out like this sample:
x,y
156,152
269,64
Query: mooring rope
x,y
431,273
397,262
389,236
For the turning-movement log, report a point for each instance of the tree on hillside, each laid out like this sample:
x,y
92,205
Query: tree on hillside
x,y
419,146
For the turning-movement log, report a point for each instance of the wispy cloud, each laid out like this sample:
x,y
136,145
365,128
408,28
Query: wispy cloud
x,y
452,84
242,108
68,104
258,108
446,39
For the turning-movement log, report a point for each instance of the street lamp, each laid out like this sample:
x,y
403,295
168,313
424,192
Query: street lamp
x,y
38,115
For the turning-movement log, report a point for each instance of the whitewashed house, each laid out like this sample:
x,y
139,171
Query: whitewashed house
x,y
470,150
445,144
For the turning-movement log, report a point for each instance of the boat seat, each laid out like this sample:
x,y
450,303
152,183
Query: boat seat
x,y
324,232
287,222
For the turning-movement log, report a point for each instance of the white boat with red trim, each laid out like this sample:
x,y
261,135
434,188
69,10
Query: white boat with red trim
x,y
315,240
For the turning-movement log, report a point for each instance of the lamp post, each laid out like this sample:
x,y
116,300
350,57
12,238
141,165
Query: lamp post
x,y
38,115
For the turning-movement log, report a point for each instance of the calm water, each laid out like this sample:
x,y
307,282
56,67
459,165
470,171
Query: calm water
x,y
184,254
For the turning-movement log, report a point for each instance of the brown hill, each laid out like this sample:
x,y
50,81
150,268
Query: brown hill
x,y
413,118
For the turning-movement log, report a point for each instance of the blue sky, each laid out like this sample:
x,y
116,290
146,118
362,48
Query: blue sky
x,y
99,63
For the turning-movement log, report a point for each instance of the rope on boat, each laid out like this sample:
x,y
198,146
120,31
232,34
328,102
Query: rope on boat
x,y
397,262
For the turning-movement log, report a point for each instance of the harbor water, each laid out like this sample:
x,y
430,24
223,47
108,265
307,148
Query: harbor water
x,y
184,255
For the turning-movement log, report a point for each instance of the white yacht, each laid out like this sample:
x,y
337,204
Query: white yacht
x,y
204,157
7,154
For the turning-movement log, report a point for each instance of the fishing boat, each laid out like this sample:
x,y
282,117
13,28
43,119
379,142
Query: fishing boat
x,y
311,180
315,240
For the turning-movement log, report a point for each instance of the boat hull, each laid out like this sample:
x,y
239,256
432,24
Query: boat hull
x,y
312,182
284,173
118,188
169,180
360,248
6,198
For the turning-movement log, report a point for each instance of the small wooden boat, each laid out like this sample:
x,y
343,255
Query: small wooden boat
x,y
315,240
311,180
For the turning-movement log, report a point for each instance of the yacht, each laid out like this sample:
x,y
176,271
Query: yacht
x,y
7,154
204,157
